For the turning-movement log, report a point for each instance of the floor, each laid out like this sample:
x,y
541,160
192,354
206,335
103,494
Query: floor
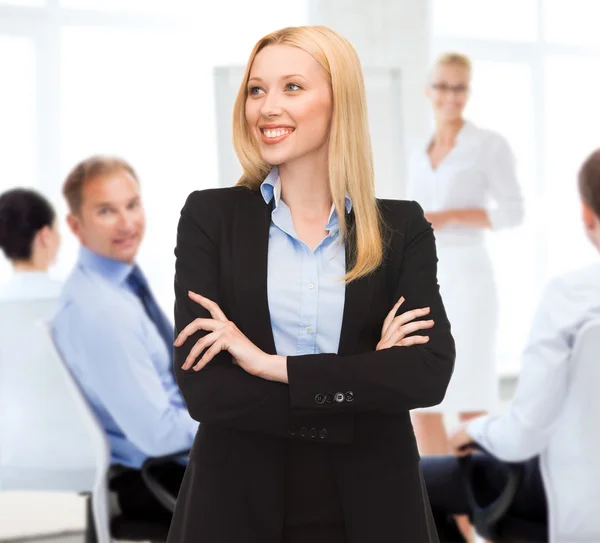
x,y
58,538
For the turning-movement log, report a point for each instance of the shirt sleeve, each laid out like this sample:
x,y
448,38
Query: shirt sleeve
x,y
507,209
119,370
524,429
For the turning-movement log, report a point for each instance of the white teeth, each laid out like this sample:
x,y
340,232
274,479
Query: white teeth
x,y
276,132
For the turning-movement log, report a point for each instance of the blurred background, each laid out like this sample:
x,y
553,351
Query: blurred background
x,y
153,81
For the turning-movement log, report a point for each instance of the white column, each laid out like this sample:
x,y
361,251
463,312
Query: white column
x,y
388,34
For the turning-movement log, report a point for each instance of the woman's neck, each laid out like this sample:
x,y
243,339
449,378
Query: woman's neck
x,y
305,189
29,266
446,132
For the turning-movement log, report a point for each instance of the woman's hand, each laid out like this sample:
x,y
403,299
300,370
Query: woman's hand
x,y
439,219
396,328
225,336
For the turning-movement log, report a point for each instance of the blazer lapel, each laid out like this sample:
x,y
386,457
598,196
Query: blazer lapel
x,y
250,254
356,304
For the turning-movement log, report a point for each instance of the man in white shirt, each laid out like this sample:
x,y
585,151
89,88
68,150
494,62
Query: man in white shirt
x,y
522,432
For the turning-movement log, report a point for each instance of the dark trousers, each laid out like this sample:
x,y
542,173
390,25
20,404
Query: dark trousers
x,y
137,502
447,495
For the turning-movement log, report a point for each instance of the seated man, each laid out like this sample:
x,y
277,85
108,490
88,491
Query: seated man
x,y
523,431
112,333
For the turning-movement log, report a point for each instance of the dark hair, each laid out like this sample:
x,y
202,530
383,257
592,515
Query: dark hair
x,y
88,169
23,213
589,182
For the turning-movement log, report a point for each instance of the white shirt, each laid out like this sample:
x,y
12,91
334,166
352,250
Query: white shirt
x,y
478,173
567,303
27,285
528,427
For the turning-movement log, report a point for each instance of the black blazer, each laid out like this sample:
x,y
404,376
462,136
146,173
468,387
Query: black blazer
x,y
356,402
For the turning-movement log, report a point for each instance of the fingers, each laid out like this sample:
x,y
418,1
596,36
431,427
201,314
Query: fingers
x,y
193,327
198,348
404,318
213,351
212,307
390,316
405,342
414,326
412,340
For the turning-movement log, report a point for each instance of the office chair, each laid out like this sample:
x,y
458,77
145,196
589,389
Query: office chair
x,y
493,522
136,529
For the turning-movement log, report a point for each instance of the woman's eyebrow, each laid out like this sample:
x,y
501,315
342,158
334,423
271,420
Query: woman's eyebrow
x,y
288,76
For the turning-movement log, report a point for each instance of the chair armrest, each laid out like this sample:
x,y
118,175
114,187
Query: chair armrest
x,y
486,518
164,497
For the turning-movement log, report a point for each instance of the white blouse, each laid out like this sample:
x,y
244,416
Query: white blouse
x,y
27,285
478,173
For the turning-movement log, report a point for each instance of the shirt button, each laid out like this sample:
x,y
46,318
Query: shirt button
x,y
324,433
310,286
308,329
339,397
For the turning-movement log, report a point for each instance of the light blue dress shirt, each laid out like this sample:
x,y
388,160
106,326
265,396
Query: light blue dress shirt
x,y
121,362
306,289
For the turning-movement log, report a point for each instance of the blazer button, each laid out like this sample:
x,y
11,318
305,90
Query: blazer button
x,y
303,431
324,433
350,396
312,433
339,397
292,430
320,398
329,398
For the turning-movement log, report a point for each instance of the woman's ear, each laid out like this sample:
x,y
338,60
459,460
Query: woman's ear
x,y
588,216
43,236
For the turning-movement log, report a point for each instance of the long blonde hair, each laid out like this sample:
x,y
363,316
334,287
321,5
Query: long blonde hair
x,y
350,160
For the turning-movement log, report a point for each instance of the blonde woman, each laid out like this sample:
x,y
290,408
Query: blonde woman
x,y
464,177
298,296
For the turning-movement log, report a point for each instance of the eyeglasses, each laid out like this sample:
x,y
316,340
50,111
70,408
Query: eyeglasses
x,y
444,88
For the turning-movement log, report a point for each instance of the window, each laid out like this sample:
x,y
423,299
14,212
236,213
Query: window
x,y
492,19
18,134
534,82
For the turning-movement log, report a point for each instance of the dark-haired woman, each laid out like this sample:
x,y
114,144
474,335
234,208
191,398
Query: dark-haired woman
x,y
30,240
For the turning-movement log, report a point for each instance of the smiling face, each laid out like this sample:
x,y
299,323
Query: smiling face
x,y
448,91
111,220
289,105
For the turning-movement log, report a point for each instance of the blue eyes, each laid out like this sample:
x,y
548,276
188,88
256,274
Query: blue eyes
x,y
290,87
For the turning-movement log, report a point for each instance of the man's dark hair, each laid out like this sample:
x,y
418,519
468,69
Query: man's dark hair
x,y
23,213
589,182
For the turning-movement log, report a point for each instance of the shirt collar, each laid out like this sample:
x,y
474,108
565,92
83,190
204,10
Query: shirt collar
x,y
113,270
271,188
466,132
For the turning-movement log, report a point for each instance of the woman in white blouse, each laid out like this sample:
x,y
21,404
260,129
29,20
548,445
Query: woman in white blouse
x,y
464,178
30,240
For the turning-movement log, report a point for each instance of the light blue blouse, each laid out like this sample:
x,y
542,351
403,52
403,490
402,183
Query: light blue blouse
x,y
306,289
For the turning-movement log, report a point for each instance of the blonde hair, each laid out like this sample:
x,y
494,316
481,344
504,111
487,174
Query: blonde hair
x,y
452,58
350,160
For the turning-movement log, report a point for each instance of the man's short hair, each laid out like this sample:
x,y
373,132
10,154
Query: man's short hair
x,y
85,171
589,182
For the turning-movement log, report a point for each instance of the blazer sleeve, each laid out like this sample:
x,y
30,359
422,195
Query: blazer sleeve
x,y
395,379
222,393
